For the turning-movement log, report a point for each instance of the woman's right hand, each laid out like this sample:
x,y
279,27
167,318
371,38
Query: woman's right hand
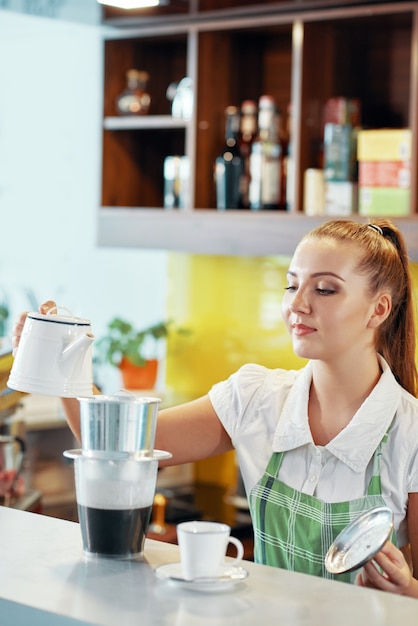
x,y
20,321
71,405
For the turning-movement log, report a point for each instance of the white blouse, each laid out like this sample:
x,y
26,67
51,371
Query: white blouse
x,y
265,411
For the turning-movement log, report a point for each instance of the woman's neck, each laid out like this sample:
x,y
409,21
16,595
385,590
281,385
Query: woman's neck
x,y
337,394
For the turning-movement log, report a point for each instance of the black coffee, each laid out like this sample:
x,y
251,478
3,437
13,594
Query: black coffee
x,y
114,532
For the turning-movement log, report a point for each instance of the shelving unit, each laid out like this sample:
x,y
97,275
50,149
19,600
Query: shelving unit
x,y
300,52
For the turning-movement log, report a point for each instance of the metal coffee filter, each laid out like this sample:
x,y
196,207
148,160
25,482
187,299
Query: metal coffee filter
x,y
121,422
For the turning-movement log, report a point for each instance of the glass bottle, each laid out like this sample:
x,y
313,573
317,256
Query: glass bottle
x,y
290,165
265,159
283,140
135,100
229,164
248,132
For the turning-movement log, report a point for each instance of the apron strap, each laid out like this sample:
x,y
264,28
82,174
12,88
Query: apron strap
x,y
375,484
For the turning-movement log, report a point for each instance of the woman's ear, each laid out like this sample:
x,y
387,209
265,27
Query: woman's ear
x,y
382,309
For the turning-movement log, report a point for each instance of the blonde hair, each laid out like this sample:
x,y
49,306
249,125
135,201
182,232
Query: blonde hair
x,y
384,260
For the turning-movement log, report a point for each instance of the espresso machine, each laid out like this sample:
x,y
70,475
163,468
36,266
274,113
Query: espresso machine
x,y
13,491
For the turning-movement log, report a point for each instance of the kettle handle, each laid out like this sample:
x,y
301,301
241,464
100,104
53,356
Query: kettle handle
x,y
55,308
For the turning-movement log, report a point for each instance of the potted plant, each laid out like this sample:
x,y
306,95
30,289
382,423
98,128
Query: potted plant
x,y
126,348
4,314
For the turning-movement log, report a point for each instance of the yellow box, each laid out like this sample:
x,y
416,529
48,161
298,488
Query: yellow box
x,y
385,144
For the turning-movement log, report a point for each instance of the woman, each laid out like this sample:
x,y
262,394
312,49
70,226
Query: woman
x,y
318,446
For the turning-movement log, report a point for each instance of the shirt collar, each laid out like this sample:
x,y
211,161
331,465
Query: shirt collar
x,y
357,442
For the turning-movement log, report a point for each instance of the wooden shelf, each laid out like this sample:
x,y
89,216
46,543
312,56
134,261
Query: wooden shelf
x,y
303,53
147,122
236,233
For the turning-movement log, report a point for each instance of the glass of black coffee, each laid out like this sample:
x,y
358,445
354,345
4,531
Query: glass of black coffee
x,y
115,493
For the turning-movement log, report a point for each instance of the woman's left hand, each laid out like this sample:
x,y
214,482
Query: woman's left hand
x,y
396,576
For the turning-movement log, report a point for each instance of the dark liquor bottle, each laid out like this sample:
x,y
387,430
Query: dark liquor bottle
x,y
248,132
135,100
229,164
265,159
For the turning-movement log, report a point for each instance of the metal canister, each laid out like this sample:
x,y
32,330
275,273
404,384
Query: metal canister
x,y
176,182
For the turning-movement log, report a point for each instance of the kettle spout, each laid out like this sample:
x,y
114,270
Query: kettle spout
x,y
73,356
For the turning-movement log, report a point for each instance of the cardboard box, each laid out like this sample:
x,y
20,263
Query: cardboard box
x,y
341,198
391,201
386,144
342,111
384,174
339,152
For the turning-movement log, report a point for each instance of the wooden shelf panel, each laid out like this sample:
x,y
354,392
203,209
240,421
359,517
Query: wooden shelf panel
x,y
236,233
145,122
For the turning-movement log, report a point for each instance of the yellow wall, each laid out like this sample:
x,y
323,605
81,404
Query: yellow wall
x,y
231,306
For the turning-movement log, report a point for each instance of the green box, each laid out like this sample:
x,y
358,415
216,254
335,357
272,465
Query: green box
x,y
384,201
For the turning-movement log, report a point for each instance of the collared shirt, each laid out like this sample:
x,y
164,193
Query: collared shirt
x,y
266,411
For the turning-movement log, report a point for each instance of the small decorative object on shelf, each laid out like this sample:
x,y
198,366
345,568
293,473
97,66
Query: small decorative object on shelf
x,y
135,100
181,96
314,192
176,182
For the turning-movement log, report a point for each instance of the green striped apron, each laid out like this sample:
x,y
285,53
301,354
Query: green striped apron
x,y
294,530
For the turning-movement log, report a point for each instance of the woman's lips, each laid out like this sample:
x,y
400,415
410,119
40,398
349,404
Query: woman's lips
x,y
301,329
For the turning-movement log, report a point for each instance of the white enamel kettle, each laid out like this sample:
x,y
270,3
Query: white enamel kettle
x,y
54,356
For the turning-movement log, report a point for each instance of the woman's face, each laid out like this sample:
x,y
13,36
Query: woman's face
x,y
326,307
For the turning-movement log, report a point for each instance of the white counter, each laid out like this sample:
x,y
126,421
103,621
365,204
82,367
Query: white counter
x,y
46,581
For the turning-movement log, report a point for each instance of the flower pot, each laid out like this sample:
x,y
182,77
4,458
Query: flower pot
x,y
138,376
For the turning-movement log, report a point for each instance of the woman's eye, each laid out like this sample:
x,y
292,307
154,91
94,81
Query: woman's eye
x,y
325,292
290,288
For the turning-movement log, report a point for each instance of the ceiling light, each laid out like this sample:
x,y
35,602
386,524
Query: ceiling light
x,y
130,4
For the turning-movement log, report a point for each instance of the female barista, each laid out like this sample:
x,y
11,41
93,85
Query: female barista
x,y
320,445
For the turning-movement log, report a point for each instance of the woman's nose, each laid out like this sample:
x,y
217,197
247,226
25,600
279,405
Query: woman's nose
x,y
299,302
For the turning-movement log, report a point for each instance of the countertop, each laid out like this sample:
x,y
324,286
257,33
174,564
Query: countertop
x,y
46,581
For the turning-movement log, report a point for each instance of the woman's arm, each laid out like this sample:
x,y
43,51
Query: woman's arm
x,y
71,408
190,431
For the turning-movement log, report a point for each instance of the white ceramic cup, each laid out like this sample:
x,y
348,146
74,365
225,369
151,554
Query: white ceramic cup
x,y
203,547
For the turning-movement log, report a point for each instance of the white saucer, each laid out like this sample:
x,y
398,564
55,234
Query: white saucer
x,y
228,577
